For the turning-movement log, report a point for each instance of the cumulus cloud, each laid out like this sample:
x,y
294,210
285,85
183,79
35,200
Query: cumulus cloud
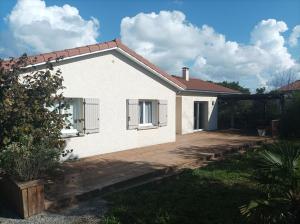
x,y
36,27
168,39
295,35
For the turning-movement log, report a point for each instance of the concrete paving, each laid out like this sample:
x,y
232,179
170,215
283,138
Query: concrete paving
x,y
98,172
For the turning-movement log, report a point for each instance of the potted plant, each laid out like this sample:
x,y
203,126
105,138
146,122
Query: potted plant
x,y
24,163
30,133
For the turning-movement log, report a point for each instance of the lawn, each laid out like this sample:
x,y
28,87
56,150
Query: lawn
x,y
212,194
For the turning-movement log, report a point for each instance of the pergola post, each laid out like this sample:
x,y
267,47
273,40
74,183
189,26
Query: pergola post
x,y
232,108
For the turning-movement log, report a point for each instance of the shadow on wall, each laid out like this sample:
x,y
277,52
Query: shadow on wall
x,y
213,118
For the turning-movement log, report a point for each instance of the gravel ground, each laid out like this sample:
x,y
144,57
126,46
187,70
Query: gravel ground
x,y
85,212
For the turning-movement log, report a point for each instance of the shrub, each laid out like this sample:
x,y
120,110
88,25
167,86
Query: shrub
x,y
26,161
277,174
25,96
290,119
30,133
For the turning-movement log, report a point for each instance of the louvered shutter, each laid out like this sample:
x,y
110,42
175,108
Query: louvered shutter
x,y
162,113
155,112
132,114
91,115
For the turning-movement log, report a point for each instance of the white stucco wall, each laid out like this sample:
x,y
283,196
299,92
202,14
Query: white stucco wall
x,y
185,122
113,79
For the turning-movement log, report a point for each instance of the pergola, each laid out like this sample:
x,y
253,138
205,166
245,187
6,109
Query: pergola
x,y
263,98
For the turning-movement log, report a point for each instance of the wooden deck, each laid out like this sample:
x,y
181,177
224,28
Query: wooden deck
x,y
96,173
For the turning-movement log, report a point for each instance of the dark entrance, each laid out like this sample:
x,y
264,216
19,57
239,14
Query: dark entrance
x,y
199,108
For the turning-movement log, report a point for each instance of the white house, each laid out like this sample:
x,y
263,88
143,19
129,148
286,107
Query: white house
x,y
119,100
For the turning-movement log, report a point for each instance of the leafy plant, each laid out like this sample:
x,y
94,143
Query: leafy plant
x,y
290,119
277,174
26,161
26,94
30,132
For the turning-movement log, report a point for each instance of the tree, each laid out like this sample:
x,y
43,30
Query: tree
x,y
284,78
30,132
260,90
25,96
235,86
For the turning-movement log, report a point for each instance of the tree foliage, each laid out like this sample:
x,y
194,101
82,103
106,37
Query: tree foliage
x,y
235,86
26,96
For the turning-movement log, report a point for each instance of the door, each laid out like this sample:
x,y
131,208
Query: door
x,y
198,115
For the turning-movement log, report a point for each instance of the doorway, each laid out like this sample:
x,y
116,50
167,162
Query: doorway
x,y
200,114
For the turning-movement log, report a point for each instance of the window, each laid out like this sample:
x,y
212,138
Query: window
x,y
74,124
145,112
83,116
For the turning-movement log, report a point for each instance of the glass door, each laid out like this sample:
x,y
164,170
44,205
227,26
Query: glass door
x,y
198,115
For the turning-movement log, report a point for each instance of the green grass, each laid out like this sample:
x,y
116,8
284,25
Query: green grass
x,y
207,195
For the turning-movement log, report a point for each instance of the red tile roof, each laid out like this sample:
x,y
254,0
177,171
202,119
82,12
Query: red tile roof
x,y
291,87
200,85
193,84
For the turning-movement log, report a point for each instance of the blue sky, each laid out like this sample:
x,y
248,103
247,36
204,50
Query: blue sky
x,y
235,20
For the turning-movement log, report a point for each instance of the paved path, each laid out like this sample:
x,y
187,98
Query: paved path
x,y
98,172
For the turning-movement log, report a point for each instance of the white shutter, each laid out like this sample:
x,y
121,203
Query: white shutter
x,y
132,114
162,113
155,112
91,115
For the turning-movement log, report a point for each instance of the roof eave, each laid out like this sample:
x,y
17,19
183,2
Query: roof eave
x,y
120,50
210,91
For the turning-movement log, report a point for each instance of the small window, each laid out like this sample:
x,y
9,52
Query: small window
x,y
145,112
74,123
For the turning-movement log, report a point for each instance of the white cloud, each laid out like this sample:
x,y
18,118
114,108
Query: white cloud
x,y
171,41
295,35
37,27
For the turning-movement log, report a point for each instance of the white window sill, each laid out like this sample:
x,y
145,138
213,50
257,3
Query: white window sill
x,y
70,133
147,126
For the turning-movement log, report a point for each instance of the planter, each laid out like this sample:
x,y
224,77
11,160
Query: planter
x,y
25,198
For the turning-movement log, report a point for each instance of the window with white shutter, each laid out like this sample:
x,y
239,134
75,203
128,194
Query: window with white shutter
x,y
74,121
132,114
91,115
162,113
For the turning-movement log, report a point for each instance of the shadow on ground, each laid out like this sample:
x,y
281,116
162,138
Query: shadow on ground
x,y
212,194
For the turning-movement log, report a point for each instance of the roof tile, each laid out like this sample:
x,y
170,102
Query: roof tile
x,y
62,54
200,85
103,46
49,56
73,52
84,50
37,59
94,47
291,87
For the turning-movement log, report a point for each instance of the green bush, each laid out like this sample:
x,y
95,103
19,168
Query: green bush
x,y
290,119
30,133
26,161
277,174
